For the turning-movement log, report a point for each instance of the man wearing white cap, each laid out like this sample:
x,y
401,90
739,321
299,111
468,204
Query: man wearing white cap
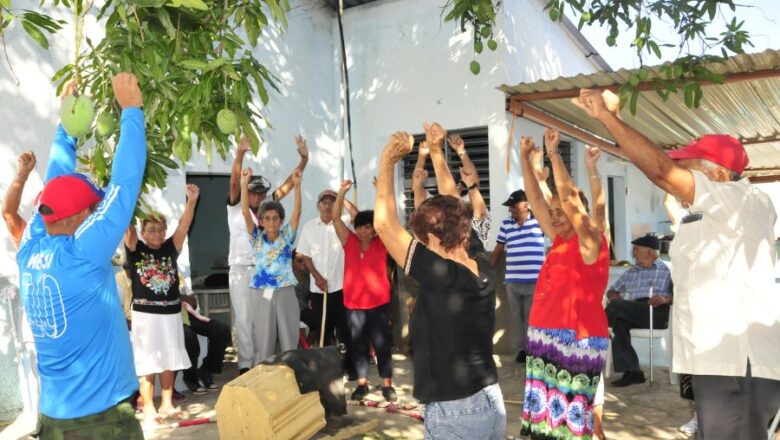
x,y
323,255
726,322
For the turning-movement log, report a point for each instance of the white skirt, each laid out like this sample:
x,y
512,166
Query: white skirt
x,y
158,343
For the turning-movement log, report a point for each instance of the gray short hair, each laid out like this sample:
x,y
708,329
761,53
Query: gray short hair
x,y
733,176
271,205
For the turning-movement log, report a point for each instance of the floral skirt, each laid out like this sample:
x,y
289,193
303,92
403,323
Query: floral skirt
x,y
561,379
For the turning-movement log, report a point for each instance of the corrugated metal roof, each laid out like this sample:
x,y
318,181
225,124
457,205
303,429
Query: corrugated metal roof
x,y
747,106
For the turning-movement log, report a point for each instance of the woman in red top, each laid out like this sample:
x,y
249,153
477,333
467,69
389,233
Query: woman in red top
x,y
366,296
567,334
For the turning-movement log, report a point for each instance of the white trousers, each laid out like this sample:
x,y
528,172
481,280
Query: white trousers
x,y
242,300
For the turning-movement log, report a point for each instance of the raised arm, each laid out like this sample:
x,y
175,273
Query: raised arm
x,y
351,209
249,222
395,238
180,234
598,200
338,209
295,218
641,151
102,231
303,151
434,137
131,237
541,172
571,204
235,171
13,197
539,206
469,176
420,175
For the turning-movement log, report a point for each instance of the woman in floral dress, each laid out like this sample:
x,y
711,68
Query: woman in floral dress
x,y
567,333
157,333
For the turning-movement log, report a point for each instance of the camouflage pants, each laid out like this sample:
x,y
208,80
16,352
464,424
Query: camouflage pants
x,y
117,422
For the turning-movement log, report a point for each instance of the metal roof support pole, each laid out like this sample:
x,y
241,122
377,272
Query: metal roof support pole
x,y
532,114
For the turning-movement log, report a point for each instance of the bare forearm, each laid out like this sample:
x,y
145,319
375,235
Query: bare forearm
x,y
249,223
307,261
496,255
477,202
531,186
419,194
296,214
351,208
288,184
444,180
13,196
235,176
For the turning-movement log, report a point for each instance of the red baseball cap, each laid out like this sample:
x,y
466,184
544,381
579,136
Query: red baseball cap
x,y
721,149
67,195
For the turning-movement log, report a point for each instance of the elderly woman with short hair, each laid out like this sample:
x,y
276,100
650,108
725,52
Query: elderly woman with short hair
x,y
453,320
157,333
274,305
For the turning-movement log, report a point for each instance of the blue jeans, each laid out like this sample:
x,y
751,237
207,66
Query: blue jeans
x,y
479,416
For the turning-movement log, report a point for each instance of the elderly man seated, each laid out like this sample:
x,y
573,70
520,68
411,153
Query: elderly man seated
x,y
648,282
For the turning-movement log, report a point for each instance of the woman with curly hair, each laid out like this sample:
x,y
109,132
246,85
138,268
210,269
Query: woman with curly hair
x,y
454,317
567,334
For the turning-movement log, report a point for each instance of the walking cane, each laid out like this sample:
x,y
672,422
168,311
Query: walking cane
x,y
324,316
651,335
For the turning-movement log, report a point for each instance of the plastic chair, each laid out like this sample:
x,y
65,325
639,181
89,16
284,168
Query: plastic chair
x,y
654,334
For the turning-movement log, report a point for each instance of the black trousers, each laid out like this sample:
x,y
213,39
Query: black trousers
x,y
371,326
623,316
734,408
336,328
218,335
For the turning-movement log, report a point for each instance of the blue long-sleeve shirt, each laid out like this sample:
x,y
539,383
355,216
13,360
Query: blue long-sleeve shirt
x,y
85,359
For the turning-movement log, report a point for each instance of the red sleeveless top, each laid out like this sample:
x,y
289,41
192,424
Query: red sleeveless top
x,y
569,292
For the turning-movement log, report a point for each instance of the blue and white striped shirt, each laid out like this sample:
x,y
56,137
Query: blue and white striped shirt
x,y
524,250
635,282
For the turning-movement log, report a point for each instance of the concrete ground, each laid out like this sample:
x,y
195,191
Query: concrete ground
x,y
635,412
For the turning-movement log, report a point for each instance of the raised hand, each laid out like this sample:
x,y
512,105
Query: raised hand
x,y
592,101
126,90
419,176
398,146
434,134
26,163
243,145
456,143
527,146
300,144
345,186
193,192
552,137
69,88
423,149
537,162
246,174
297,175
468,175
592,155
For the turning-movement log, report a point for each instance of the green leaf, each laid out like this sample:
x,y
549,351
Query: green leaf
x,y
195,4
5,3
634,98
35,33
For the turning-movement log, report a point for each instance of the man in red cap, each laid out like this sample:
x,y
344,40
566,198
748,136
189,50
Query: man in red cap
x,y
727,307
85,359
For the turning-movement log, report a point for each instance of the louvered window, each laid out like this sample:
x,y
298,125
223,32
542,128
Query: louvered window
x,y
476,141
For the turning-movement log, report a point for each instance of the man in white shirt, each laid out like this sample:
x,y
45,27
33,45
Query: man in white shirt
x,y
726,322
242,256
323,255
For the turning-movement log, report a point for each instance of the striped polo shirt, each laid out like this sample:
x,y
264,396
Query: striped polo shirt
x,y
524,250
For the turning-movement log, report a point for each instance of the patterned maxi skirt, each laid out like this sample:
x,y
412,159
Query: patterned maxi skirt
x,y
562,375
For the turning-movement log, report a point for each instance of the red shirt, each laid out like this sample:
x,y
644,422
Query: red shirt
x,y
569,292
365,274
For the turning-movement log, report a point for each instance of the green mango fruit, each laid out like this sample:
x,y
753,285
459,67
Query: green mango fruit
x,y
76,115
486,31
492,45
105,124
474,67
226,121
478,46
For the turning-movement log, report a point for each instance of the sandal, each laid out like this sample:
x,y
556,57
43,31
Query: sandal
x,y
174,413
152,420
